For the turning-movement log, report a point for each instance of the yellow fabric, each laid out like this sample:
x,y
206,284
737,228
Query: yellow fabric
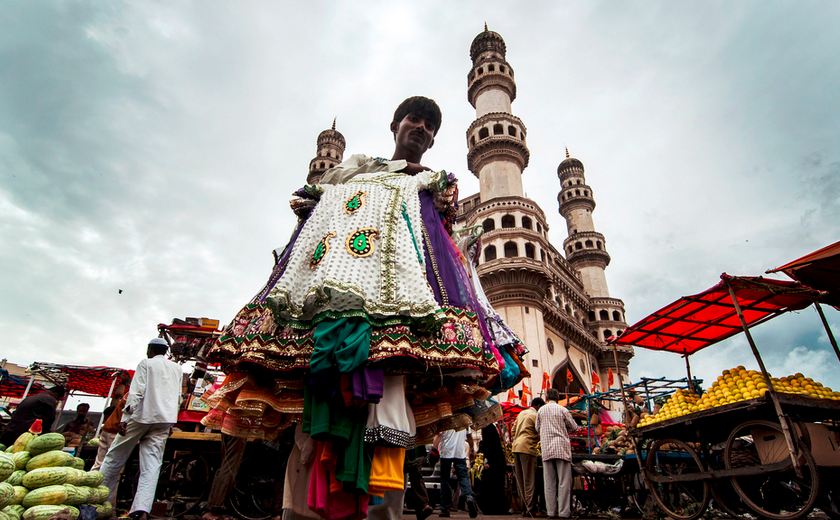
x,y
386,471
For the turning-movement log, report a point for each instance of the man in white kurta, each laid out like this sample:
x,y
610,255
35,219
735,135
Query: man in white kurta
x,y
151,409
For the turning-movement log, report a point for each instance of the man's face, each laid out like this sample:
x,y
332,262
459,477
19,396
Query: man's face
x,y
82,411
414,133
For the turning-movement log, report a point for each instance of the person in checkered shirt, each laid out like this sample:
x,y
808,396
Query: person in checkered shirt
x,y
553,424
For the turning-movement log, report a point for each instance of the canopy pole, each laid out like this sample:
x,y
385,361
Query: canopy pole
x,y
107,402
647,396
28,387
827,329
773,397
588,424
688,371
624,404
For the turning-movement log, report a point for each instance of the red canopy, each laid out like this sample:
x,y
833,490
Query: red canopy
x,y
87,380
695,322
820,270
13,387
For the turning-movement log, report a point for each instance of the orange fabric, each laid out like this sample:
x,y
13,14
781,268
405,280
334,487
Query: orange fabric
x,y
386,471
112,423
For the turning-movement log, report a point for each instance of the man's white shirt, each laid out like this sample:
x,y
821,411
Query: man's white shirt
x,y
155,393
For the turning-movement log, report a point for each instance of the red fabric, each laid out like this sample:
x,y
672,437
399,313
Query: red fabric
x,y
698,321
596,380
820,270
546,383
610,378
88,380
191,416
13,387
569,377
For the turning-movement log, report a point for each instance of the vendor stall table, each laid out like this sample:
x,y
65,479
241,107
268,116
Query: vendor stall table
x,y
763,455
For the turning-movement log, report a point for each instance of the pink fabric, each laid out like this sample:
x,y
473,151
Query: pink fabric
x,y
326,495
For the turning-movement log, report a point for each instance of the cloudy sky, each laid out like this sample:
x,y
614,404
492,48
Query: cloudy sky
x,y
152,147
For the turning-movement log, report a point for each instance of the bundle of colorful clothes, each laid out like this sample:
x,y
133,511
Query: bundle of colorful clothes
x,y
372,333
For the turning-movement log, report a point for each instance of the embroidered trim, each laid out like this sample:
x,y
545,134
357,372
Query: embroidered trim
x,y
443,296
355,203
384,435
321,250
360,242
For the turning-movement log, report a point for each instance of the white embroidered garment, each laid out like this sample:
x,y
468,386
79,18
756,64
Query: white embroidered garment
x,y
361,249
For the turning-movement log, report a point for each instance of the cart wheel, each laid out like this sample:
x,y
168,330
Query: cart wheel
x,y
725,500
183,483
780,495
682,500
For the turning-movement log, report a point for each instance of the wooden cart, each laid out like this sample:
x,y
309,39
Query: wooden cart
x,y
772,456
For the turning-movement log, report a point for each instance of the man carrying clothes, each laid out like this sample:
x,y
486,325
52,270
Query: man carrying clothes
x,y
150,411
453,452
525,439
553,423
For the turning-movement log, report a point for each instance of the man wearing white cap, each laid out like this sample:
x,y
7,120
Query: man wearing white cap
x,y
151,408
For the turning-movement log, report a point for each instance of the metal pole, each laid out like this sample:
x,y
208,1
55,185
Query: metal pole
x,y
28,387
688,371
589,424
107,402
773,397
827,329
636,449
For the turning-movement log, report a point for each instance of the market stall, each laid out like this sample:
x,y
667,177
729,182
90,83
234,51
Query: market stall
x,y
752,442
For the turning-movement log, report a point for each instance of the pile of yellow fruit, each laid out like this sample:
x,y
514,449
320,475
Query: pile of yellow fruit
x,y
733,385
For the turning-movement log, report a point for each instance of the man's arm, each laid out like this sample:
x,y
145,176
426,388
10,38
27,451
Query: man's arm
x,y
136,391
570,421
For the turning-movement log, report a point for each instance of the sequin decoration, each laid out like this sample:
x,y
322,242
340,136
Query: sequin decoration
x,y
360,242
321,250
355,203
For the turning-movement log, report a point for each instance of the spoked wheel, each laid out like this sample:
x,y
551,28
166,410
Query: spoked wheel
x,y
252,501
675,479
725,500
184,482
775,492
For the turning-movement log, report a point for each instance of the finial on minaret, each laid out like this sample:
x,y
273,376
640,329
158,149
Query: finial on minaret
x,y
485,26
333,127
567,149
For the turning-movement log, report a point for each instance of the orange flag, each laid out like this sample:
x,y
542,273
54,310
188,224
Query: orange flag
x,y
596,380
610,377
526,395
511,396
569,377
581,392
546,384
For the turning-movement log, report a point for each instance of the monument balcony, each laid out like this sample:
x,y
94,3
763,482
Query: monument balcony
x,y
570,200
491,74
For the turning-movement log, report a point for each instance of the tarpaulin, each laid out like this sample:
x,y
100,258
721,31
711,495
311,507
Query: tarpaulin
x,y
694,322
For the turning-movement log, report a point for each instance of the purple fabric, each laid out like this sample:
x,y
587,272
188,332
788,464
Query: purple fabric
x,y
280,264
368,384
456,282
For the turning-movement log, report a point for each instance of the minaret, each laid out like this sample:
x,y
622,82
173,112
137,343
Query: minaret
x,y
585,248
586,251
496,139
329,153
